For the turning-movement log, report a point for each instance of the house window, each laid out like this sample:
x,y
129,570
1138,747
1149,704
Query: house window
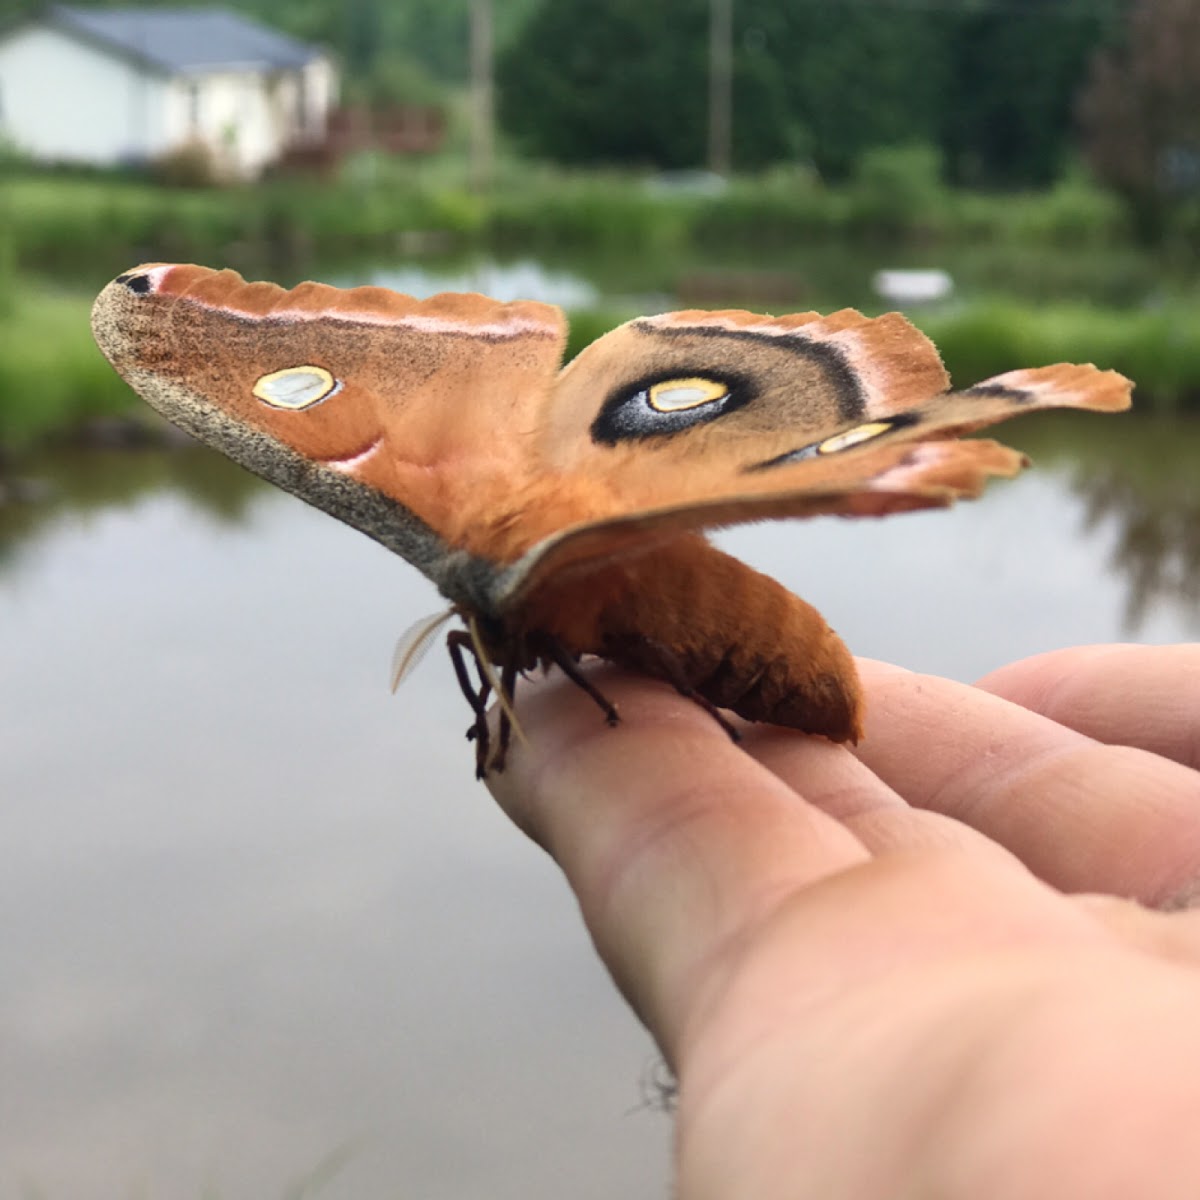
x,y
193,107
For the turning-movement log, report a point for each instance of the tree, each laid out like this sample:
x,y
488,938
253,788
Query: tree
x,y
627,81
988,83
622,81
1141,110
1015,70
856,75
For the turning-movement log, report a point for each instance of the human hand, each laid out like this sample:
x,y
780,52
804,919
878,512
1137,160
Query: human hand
x,y
957,961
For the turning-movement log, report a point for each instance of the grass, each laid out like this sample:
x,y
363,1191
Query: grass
x,y
63,222
1157,348
52,376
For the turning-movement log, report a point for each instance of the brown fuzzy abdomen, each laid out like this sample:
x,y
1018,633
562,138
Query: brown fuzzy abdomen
x,y
691,615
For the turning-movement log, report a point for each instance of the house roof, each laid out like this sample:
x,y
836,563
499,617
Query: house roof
x,y
184,40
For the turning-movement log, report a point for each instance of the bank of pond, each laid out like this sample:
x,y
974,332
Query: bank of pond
x,y
62,221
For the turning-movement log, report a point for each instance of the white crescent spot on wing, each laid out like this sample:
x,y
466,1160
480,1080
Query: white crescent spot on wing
x,y
351,463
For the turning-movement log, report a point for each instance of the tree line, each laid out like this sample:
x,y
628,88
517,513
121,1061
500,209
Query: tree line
x,y
1004,93
991,85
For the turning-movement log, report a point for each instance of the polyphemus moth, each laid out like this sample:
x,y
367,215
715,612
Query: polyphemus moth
x,y
560,511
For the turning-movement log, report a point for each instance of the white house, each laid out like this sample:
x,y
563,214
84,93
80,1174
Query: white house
x,y
111,86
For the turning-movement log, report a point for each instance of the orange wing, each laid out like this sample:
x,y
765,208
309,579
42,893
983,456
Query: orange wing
x,y
702,419
409,420
441,429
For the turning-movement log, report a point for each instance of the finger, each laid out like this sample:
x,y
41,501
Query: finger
x,y
842,786
1083,816
1144,696
673,839
1169,935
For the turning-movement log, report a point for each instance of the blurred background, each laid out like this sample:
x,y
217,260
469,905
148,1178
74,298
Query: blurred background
x,y
261,933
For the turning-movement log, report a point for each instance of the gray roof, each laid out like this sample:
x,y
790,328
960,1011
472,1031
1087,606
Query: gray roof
x,y
180,40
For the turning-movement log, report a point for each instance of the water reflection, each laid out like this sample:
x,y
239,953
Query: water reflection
x,y
263,931
1138,480
1158,551
524,279
72,483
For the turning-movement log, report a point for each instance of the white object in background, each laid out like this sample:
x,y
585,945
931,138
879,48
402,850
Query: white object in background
x,y
911,286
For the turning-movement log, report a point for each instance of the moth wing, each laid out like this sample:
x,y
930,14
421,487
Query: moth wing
x,y
406,419
897,451
690,408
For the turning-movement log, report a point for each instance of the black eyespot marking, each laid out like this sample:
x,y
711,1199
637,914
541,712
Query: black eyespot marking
x,y
997,391
850,400
836,443
135,283
660,405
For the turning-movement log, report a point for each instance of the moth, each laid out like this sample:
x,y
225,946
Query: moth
x,y
561,511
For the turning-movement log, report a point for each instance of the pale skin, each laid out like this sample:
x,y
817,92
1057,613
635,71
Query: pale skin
x,y
962,960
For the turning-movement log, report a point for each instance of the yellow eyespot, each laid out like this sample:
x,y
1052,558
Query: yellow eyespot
x,y
677,395
852,437
295,388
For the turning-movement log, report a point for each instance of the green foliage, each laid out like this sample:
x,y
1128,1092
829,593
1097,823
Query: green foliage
x,y
51,374
587,211
856,76
1158,348
782,207
627,81
1074,213
589,83
395,79
585,327
95,226
188,166
1013,76
98,226
898,191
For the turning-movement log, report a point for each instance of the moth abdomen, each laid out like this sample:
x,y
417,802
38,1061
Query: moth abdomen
x,y
779,661
718,630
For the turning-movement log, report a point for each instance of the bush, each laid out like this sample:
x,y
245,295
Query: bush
x,y
188,166
898,191
1159,349
51,374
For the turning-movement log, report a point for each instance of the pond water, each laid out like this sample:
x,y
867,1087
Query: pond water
x,y
263,933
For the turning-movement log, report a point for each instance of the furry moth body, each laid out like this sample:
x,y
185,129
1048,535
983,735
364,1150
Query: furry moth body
x,y
560,511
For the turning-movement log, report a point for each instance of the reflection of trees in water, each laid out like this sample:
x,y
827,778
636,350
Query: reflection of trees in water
x,y
1158,540
68,485
1141,478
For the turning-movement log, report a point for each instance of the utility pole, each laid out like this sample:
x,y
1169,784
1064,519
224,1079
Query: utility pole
x,y
482,108
720,85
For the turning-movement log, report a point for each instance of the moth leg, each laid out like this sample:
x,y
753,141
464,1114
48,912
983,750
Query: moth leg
x,y
570,668
508,682
458,640
671,669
